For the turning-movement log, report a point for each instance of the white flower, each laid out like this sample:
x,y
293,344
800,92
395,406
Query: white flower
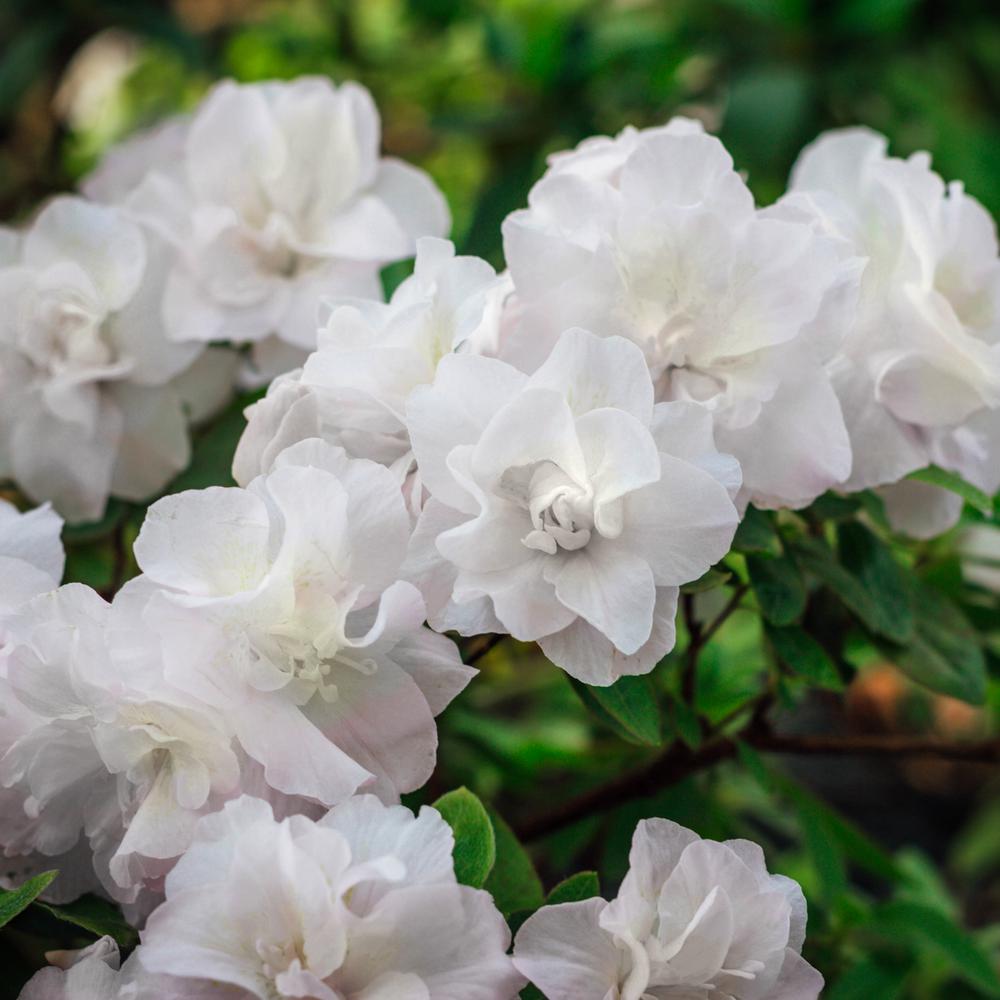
x,y
694,920
566,508
274,195
31,557
919,373
361,905
281,606
106,751
88,402
93,973
353,389
653,236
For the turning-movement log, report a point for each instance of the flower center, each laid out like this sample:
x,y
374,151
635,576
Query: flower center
x,y
561,510
72,335
310,645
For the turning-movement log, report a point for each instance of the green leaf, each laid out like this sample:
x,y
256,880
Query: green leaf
x,y
827,829
686,723
582,885
513,881
834,507
213,450
13,901
855,845
954,483
707,581
928,927
629,706
756,533
826,853
867,979
475,841
944,655
779,587
803,655
91,563
755,766
818,559
97,916
873,563
94,530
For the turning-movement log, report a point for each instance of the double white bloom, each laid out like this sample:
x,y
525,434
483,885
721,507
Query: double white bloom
x,y
272,195
564,506
95,398
693,920
654,236
280,606
31,558
361,905
353,389
106,767
919,371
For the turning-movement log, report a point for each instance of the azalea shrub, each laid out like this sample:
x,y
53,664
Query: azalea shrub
x,y
608,619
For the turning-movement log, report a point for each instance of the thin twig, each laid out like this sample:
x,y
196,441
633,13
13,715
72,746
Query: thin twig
x,y
680,762
721,618
478,651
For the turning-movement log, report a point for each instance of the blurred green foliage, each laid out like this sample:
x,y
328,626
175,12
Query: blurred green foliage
x,y
900,861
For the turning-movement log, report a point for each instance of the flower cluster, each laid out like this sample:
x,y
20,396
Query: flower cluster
x,y
549,453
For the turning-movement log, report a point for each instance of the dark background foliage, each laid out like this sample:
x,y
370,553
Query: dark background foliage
x,y
899,852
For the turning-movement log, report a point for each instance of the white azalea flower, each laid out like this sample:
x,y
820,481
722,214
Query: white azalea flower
x,y
919,373
654,236
564,507
361,905
105,750
274,195
694,920
31,557
353,389
281,606
90,404
96,973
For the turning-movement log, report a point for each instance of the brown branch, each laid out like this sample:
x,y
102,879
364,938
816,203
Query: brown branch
x,y
672,767
699,637
979,751
680,762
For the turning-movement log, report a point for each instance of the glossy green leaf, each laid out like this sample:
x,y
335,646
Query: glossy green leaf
x,y
707,581
804,656
97,916
582,885
944,654
928,927
629,707
686,724
213,450
869,979
475,842
513,881
872,562
756,533
818,559
780,589
954,483
834,507
14,901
